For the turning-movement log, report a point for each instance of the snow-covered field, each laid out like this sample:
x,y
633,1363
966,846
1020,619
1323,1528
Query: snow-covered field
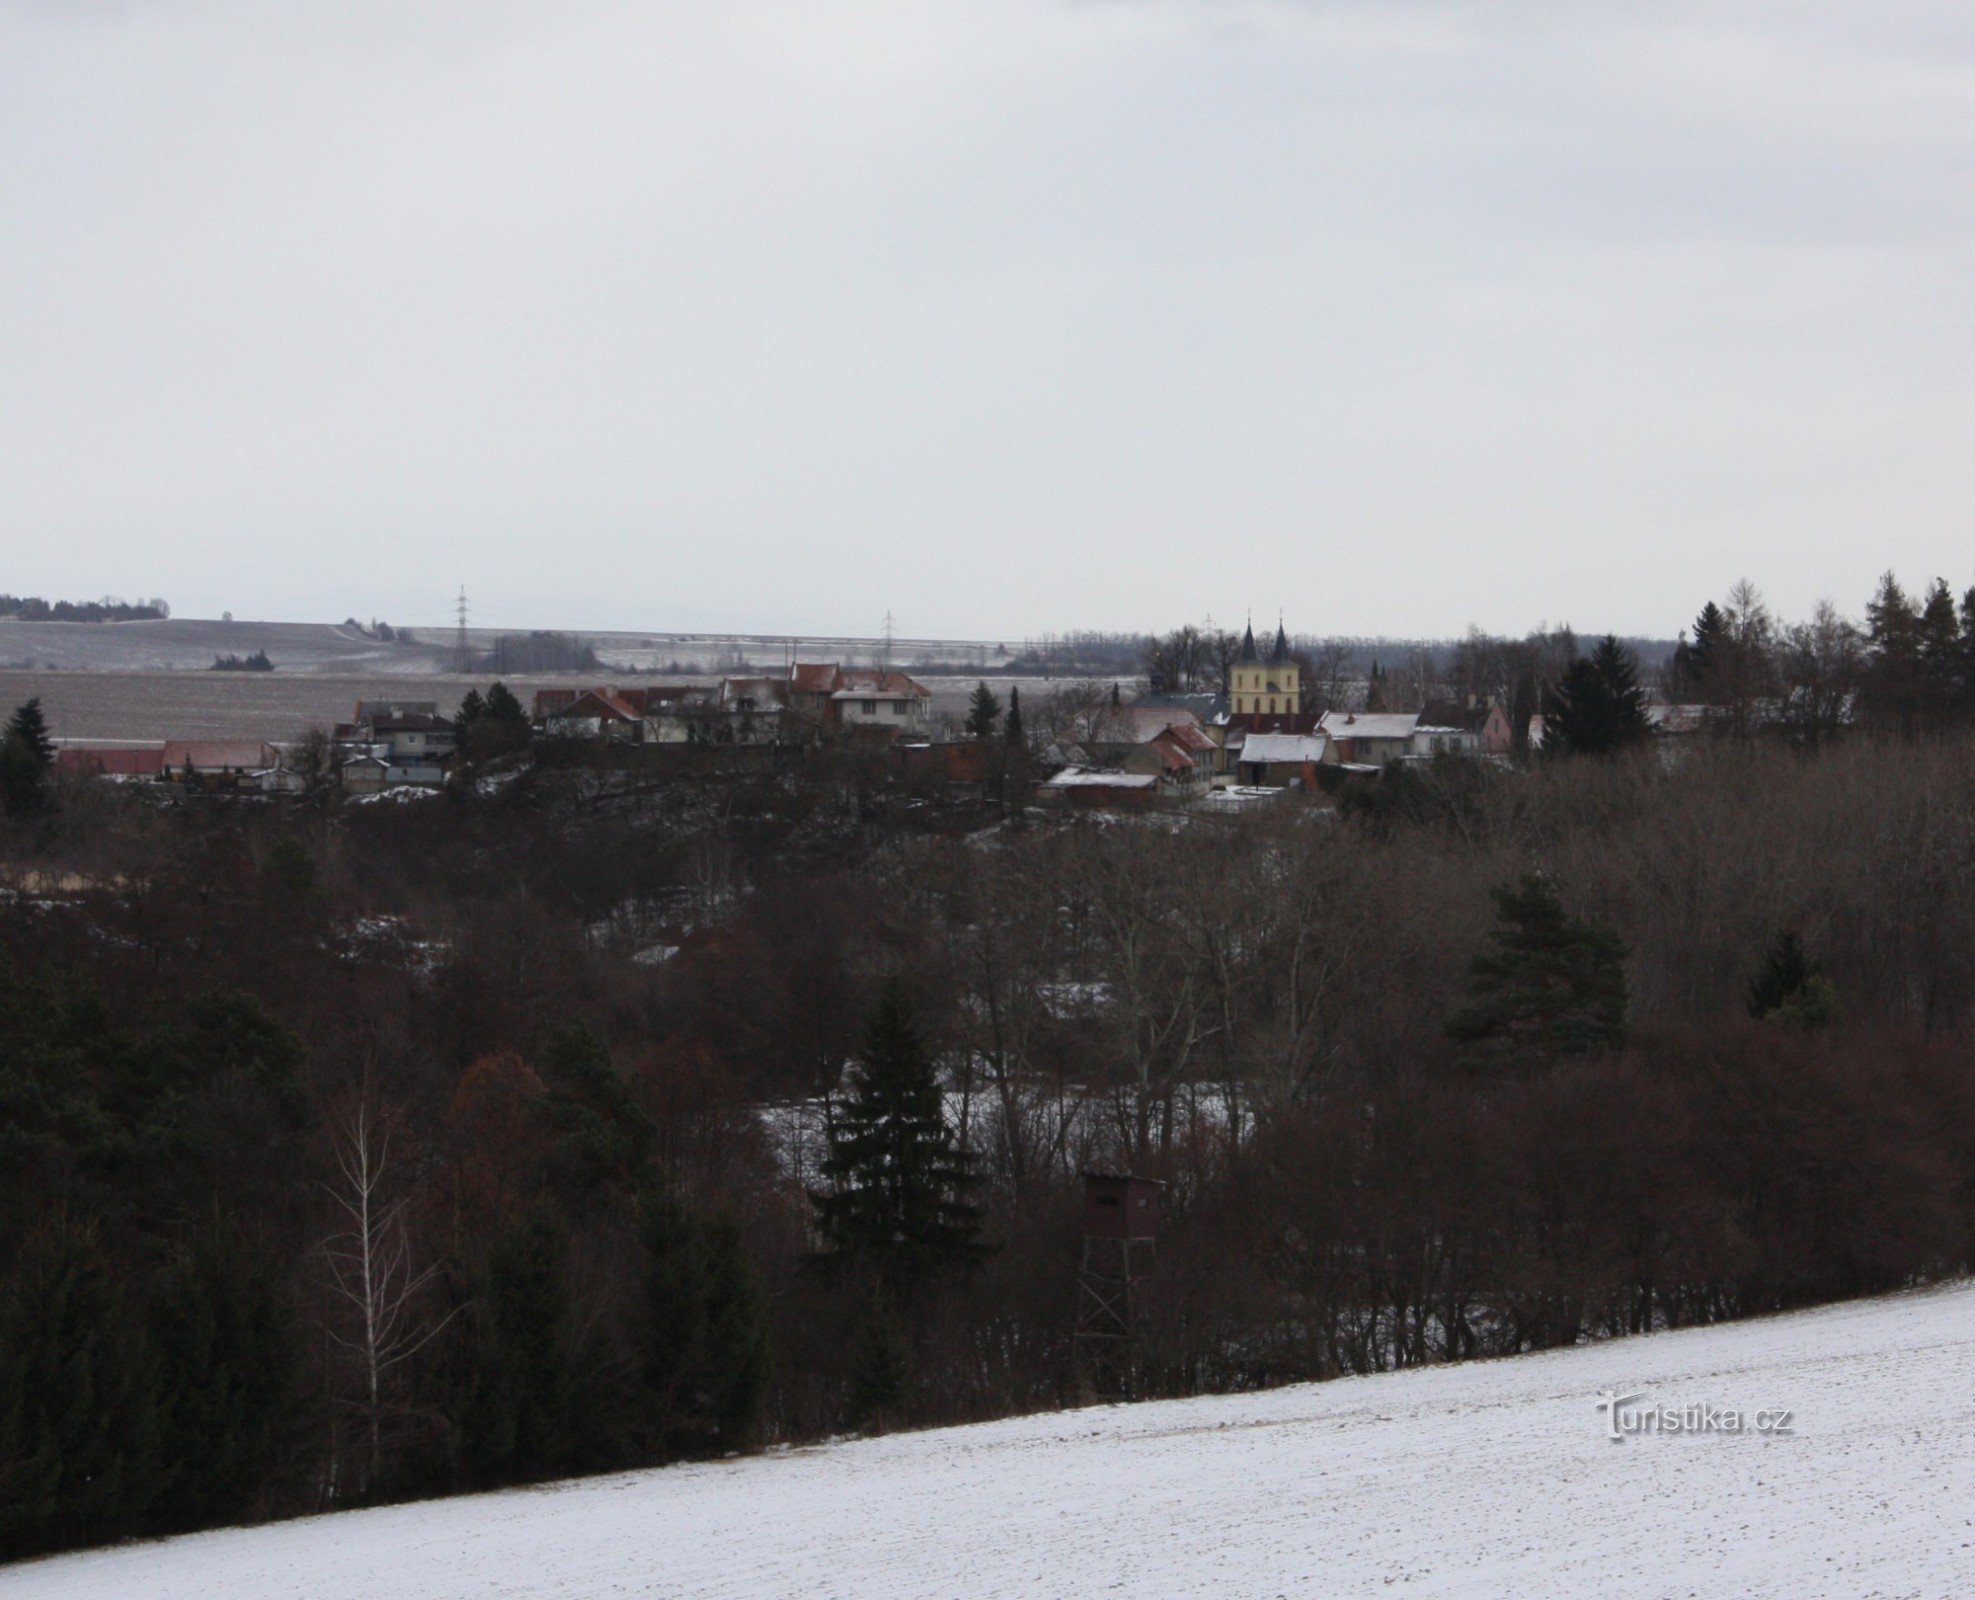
x,y
1491,1479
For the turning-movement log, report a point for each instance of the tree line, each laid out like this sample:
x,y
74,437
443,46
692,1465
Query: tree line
x,y
584,1122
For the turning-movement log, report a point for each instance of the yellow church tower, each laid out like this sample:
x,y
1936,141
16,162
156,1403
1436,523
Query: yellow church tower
x,y
1268,687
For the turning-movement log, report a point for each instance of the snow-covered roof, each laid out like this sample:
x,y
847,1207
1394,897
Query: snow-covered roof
x,y
1272,747
1370,724
1076,778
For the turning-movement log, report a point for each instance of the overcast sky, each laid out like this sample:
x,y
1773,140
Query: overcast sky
x,y
1006,316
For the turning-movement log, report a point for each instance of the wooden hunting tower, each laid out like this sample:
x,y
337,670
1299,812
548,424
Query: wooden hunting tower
x,y
1120,1231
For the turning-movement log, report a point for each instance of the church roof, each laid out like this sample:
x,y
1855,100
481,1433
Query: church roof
x,y
1248,650
1281,650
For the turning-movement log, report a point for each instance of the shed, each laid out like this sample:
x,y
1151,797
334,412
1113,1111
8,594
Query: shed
x,y
1119,1206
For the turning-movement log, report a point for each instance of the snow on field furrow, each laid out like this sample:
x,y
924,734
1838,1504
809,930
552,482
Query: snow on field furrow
x,y
1487,1479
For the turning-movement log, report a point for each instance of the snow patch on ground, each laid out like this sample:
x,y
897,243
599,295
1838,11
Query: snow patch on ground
x,y
1489,1479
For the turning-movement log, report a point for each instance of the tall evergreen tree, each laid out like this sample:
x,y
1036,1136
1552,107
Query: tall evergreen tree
x,y
705,1346
1012,729
1790,987
79,1442
1552,987
605,1141
983,713
1893,686
1597,708
1696,664
27,757
1938,646
897,1178
517,1422
229,1379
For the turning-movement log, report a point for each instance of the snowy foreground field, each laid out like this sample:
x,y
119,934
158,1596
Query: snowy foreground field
x,y
1491,1479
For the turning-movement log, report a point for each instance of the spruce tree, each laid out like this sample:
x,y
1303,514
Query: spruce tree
x,y
517,1423
1893,686
229,1361
79,1441
897,1179
1938,646
983,713
705,1366
1552,987
28,725
27,757
1012,729
1597,707
1697,666
1790,987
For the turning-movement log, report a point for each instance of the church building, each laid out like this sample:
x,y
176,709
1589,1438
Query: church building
x,y
1266,687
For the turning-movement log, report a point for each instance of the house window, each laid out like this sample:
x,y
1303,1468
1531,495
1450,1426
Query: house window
x,y
868,707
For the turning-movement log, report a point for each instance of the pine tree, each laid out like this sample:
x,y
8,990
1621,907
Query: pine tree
x,y
1790,987
897,1178
1597,708
471,710
1697,666
736,1381
79,1441
1938,647
605,1141
1893,676
517,1423
1552,987
28,725
1012,729
229,1379
494,726
983,713
27,757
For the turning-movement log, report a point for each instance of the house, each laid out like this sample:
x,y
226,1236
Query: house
x,y
413,738
1369,738
605,712
753,710
879,700
1482,720
1280,760
1075,786
811,683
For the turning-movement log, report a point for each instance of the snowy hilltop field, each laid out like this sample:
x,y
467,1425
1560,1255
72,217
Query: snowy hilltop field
x,y
1488,1479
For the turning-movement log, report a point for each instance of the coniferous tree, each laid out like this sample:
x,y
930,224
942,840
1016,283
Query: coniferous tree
x,y
983,713
79,1443
27,757
604,1140
229,1379
898,1180
1597,708
1790,987
1938,645
706,1344
494,726
1893,687
472,709
517,1421
1012,729
1552,987
1696,665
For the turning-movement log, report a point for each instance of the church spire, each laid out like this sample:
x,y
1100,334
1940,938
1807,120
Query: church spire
x,y
1281,651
